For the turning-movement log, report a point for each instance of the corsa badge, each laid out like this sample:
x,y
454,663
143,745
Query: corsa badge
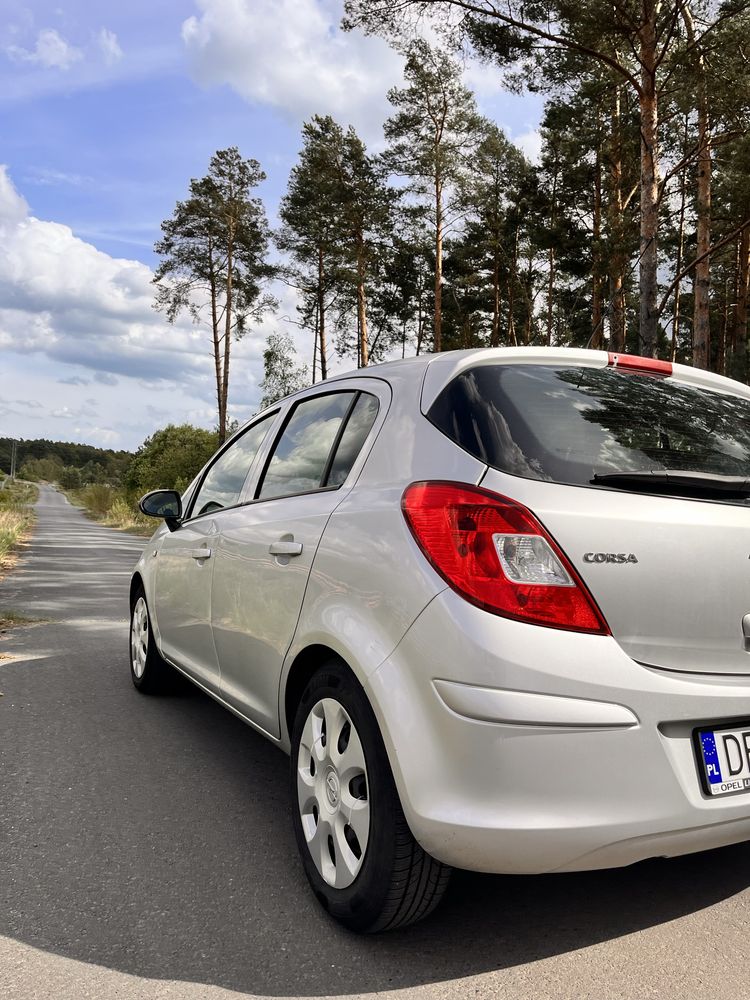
x,y
609,557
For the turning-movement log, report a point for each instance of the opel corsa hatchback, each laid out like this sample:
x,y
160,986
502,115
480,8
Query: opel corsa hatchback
x,y
494,604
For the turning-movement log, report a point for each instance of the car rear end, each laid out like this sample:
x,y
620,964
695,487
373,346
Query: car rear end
x,y
577,695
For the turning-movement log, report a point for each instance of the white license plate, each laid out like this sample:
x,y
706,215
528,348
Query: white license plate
x,y
725,754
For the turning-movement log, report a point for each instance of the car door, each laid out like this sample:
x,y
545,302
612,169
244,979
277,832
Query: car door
x,y
186,559
267,546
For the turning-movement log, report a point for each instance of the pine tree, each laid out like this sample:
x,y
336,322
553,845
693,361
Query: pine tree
x,y
432,134
213,254
311,232
640,42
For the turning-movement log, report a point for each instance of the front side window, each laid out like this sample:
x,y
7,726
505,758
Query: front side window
x,y
299,462
222,484
568,424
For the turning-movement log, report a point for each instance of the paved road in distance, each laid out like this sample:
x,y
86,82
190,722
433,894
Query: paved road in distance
x,y
146,849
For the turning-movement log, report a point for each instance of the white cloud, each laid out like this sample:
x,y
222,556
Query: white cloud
x,y
63,297
51,51
291,54
13,207
109,46
74,317
47,177
530,143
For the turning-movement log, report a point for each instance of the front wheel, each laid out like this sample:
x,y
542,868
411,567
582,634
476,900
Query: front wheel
x,y
360,857
148,671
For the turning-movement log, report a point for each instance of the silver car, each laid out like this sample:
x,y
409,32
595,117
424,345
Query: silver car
x,y
494,604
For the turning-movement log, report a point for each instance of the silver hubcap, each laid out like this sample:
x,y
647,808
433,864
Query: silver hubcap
x,y
139,637
333,793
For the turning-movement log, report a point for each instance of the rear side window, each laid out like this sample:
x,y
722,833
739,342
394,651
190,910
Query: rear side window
x,y
566,424
300,459
357,428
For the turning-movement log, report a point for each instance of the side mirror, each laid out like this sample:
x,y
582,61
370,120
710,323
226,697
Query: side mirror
x,y
163,503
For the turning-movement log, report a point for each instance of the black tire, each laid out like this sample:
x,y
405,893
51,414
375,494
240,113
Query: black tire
x,y
155,676
397,883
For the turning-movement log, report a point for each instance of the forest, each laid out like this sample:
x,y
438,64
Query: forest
x,y
41,459
631,231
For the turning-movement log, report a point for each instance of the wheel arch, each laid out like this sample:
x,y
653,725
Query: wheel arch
x,y
304,665
136,584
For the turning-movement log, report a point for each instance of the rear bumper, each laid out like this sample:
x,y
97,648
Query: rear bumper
x,y
524,749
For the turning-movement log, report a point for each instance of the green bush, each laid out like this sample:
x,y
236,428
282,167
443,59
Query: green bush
x,y
70,478
97,498
170,459
45,469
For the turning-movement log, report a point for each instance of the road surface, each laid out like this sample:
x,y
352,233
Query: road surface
x,y
146,849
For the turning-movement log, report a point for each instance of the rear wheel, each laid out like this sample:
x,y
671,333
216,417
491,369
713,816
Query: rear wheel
x,y
360,857
149,672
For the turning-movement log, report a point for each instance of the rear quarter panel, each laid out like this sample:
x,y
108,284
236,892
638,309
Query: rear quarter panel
x,y
369,580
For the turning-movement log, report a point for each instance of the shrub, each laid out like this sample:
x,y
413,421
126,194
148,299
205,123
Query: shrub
x,y
170,459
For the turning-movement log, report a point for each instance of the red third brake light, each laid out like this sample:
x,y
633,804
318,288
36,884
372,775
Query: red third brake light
x,y
635,363
496,554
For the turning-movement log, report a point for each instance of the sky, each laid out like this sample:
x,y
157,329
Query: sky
x,y
106,112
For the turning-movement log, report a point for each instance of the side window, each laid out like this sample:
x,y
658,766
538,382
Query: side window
x,y
222,484
357,428
300,459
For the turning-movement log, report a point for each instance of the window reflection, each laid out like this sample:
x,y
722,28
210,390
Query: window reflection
x,y
301,455
223,483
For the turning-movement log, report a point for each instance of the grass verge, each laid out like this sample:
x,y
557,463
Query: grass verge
x,y
16,518
9,618
111,507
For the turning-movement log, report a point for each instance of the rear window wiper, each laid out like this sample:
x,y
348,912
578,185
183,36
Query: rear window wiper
x,y
676,481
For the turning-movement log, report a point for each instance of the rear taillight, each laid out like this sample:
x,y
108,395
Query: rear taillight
x,y
496,554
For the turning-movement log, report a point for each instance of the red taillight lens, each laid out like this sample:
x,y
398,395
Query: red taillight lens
x,y
494,552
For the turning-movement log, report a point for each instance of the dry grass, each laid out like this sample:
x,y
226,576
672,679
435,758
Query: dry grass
x,y
108,505
16,519
10,619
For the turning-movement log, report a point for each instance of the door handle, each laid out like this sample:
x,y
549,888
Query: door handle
x,y
202,553
285,548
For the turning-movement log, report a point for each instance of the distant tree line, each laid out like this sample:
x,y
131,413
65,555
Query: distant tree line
x,y
41,459
169,458
631,232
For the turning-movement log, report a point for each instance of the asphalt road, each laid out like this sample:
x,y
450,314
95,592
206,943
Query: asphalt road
x,y
146,848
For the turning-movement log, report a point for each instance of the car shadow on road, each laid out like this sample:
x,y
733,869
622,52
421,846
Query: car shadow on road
x,y
160,845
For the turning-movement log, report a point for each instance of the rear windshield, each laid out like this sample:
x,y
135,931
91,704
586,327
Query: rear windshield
x,y
567,424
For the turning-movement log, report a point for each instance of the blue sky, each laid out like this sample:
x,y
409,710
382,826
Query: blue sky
x,y
106,112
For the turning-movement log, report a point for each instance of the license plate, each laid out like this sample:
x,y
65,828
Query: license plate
x,y
725,756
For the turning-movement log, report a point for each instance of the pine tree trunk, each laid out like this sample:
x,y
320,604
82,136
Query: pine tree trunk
x,y
215,333
438,343
420,324
322,316
680,248
702,278
617,229
512,278
495,335
315,343
551,276
528,290
721,347
649,115
743,305
362,314
550,294
596,278
228,311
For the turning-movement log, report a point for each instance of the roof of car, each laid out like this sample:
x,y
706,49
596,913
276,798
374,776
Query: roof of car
x,y
443,367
